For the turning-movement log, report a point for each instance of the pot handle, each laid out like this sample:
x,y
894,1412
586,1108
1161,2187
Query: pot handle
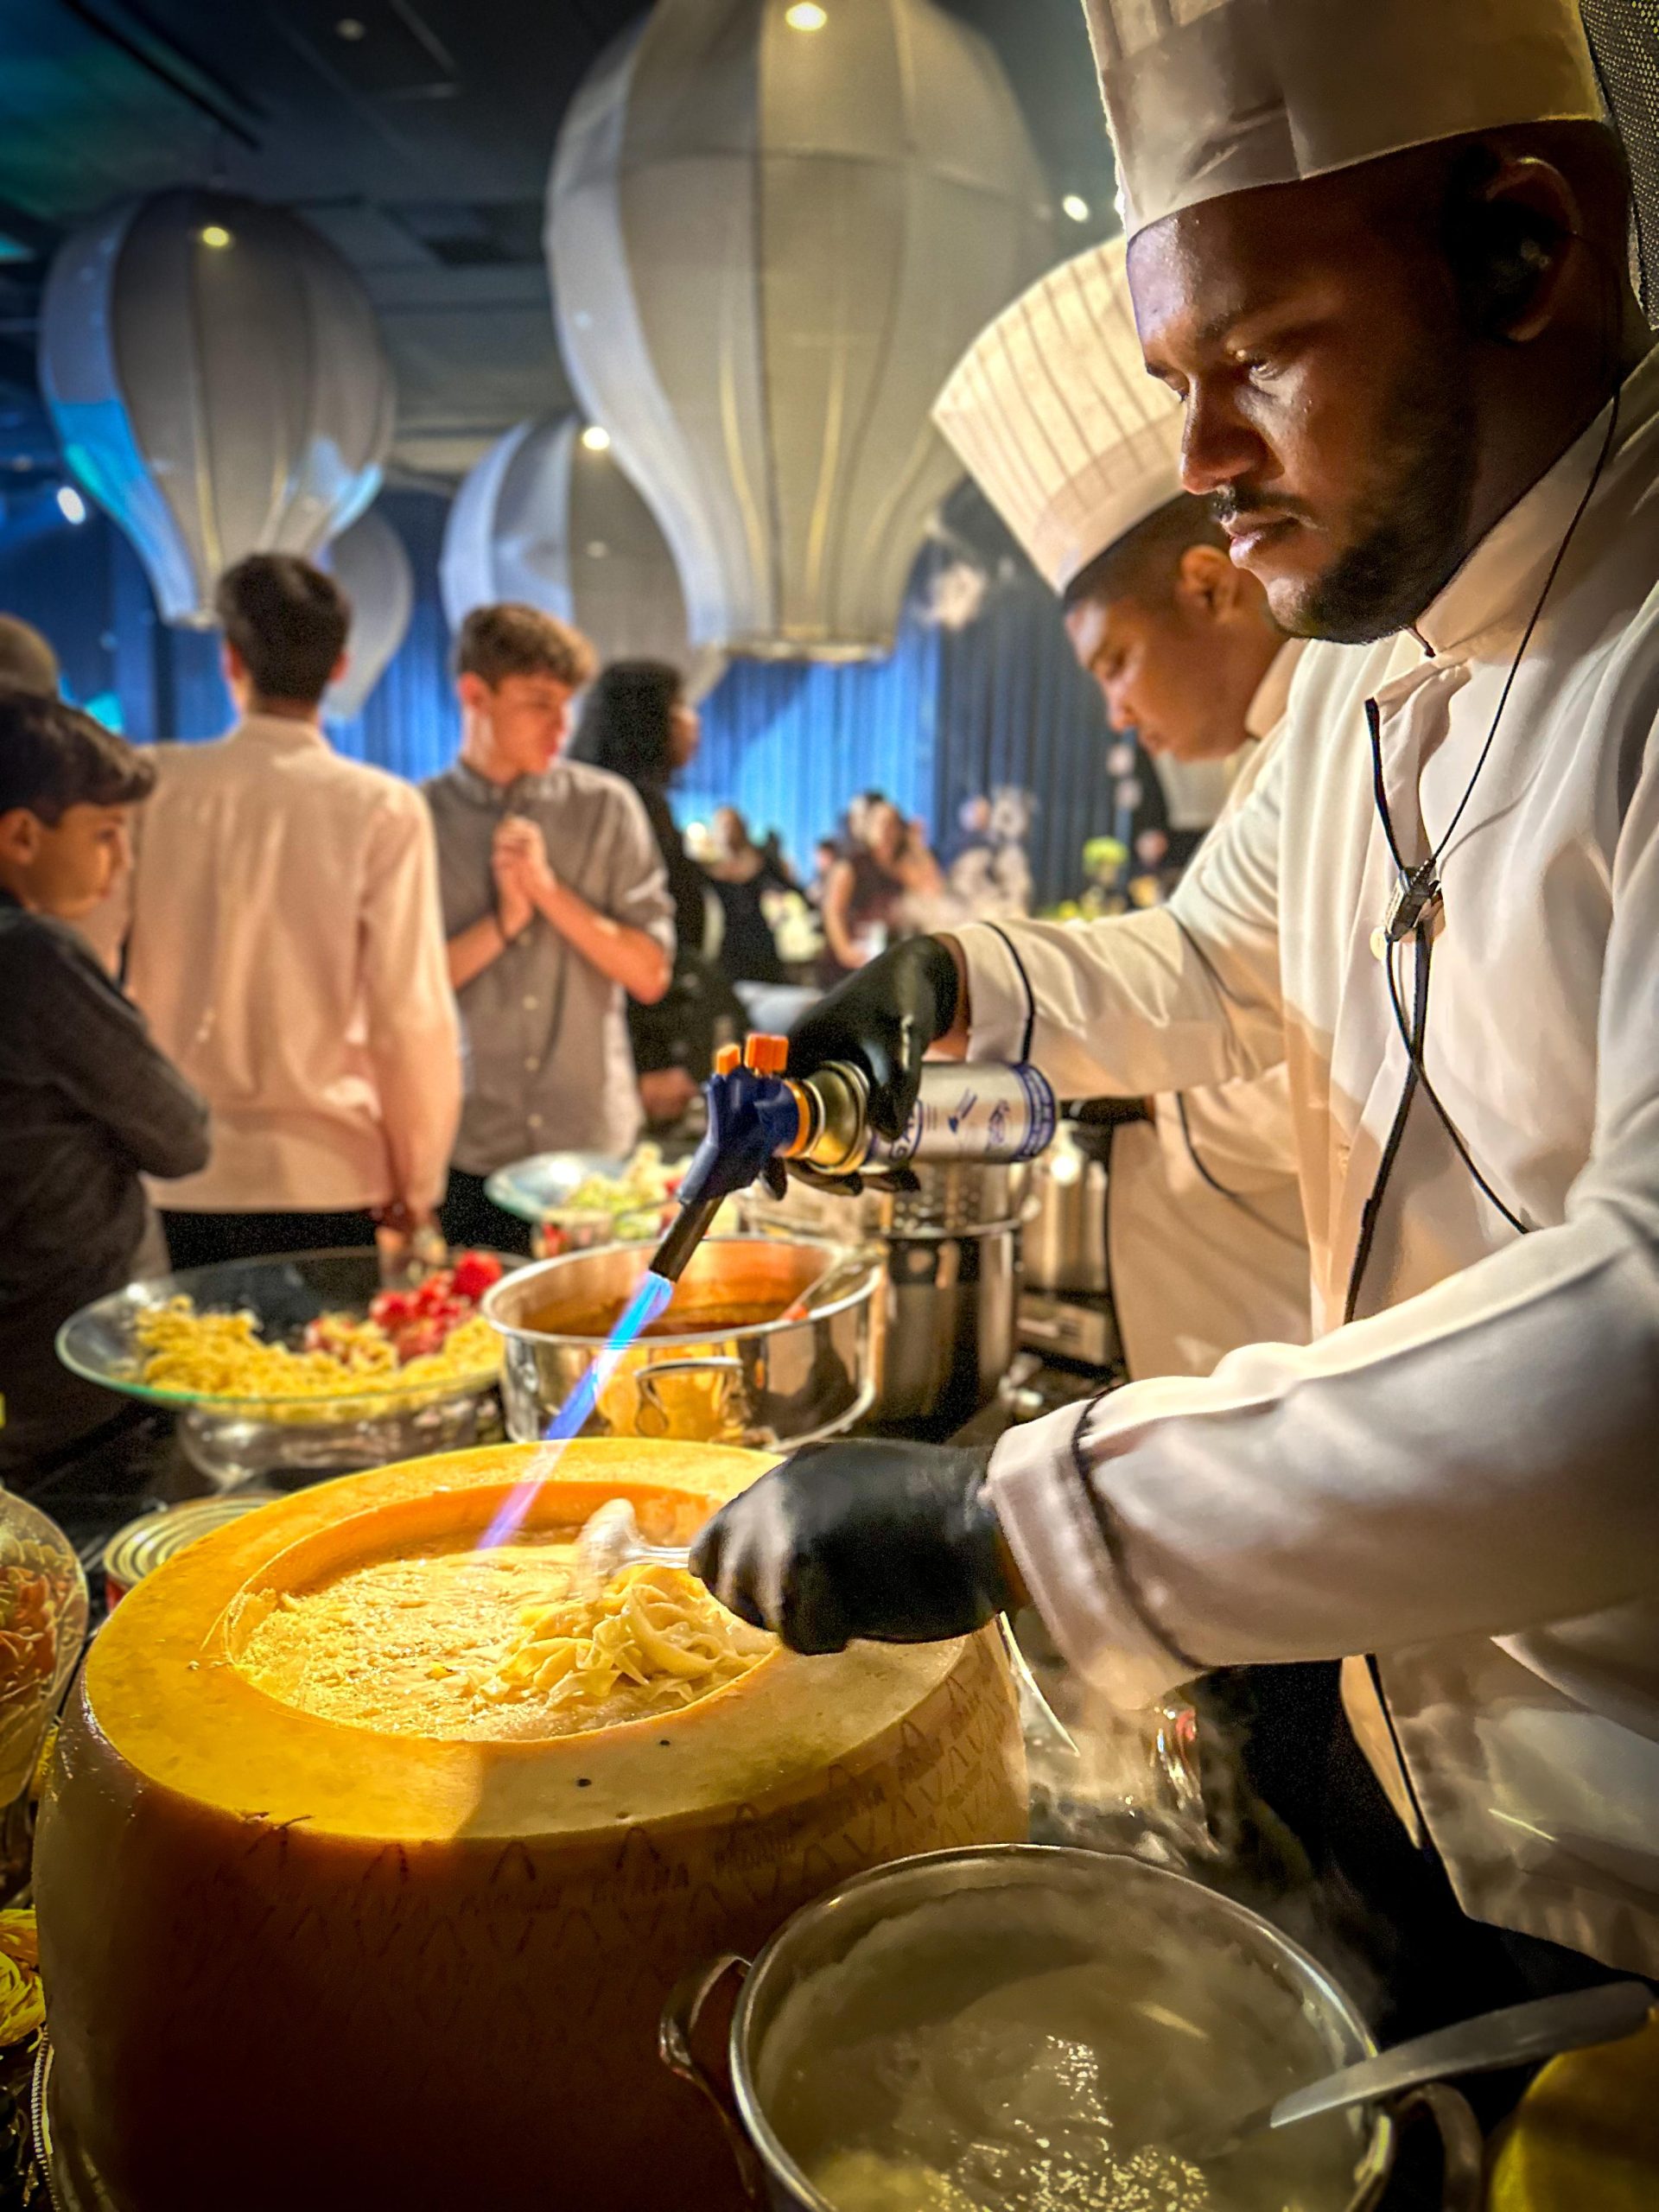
x,y
681,2015
645,1380
1463,2147
722,1362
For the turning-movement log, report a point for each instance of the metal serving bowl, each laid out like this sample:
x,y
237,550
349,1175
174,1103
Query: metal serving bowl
x,y
737,1369
234,1439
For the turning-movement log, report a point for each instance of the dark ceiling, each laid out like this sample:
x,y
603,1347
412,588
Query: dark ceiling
x,y
416,134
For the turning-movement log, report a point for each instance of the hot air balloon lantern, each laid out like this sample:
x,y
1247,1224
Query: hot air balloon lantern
x,y
547,517
371,567
772,234
217,383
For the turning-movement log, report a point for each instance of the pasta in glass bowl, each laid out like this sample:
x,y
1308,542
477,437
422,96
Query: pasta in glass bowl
x,y
278,1368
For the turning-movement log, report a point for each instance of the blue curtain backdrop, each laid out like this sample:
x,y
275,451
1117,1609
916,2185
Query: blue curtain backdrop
x,y
982,691
961,706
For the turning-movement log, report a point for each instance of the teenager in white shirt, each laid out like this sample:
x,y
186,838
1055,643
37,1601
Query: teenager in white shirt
x,y
284,940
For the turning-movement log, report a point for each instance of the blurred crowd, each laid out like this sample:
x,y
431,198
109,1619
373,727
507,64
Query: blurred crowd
x,y
256,997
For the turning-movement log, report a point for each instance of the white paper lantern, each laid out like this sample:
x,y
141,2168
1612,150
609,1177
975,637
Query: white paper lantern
x,y
770,244
371,567
217,383
546,519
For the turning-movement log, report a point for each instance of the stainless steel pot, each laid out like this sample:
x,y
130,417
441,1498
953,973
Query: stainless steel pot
x,y
1063,1247
767,1383
945,1320
823,1933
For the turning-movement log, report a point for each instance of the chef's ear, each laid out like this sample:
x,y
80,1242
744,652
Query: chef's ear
x,y
1206,582
1510,224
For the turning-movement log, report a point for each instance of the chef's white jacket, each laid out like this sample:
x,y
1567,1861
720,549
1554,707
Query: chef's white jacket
x,y
1467,1483
1195,792
1206,1246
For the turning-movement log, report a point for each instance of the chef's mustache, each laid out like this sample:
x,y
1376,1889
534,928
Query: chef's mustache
x,y
1233,501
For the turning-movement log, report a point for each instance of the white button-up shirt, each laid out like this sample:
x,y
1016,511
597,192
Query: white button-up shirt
x,y
284,940
1207,1247
1467,1483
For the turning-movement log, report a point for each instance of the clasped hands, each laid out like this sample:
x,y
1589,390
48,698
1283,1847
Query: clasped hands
x,y
524,881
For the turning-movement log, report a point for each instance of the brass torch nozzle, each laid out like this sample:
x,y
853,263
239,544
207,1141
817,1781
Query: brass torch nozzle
x,y
834,1134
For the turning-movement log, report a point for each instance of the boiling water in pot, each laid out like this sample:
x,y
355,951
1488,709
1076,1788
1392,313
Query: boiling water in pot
x,y
994,2052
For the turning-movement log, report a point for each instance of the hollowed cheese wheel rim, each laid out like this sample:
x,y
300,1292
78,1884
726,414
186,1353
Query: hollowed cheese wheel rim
x,y
160,1691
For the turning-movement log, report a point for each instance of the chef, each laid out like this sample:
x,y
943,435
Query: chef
x,y
1079,451
1380,256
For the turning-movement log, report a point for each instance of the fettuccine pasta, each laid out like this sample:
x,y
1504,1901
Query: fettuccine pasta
x,y
224,1355
652,1626
505,1642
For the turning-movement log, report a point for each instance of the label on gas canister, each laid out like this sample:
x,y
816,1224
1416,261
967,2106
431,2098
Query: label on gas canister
x,y
990,1114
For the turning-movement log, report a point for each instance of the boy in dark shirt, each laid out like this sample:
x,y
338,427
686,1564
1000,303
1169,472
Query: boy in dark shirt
x,y
86,1102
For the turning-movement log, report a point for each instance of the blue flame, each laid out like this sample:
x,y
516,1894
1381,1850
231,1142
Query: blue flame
x,y
647,1303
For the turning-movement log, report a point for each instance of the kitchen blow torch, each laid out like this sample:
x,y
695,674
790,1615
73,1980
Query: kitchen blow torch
x,y
759,1113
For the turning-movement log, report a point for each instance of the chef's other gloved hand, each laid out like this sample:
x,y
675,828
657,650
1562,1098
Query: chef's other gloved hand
x,y
884,1541
882,1019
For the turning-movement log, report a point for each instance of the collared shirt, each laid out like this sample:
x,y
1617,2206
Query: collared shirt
x,y
1463,1482
86,1102
549,1069
284,940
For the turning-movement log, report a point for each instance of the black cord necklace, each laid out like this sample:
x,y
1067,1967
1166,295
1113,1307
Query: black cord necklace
x,y
1418,900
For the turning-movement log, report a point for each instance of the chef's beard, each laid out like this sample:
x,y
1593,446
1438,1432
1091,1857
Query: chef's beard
x,y
1411,521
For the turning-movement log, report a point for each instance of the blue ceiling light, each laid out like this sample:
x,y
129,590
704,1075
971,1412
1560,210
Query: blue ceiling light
x,y
71,506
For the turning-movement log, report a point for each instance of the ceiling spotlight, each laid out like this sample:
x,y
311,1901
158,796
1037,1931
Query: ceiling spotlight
x,y
71,506
214,234
1075,207
806,15
351,29
596,438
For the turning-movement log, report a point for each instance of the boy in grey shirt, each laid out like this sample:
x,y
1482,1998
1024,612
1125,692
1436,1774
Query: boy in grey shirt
x,y
556,910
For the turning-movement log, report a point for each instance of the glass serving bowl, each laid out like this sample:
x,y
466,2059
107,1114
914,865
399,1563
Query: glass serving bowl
x,y
292,1439
42,1629
539,1191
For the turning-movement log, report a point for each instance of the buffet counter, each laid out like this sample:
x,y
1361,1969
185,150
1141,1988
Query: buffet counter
x,y
137,1466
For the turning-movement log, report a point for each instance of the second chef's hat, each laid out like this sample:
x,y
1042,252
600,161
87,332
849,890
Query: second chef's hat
x,y
1055,417
1210,97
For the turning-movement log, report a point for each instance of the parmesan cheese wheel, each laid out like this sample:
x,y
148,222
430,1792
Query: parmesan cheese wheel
x,y
297,1964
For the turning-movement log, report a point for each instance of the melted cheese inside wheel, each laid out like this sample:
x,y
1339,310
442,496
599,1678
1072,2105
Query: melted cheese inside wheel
x,y
501,1644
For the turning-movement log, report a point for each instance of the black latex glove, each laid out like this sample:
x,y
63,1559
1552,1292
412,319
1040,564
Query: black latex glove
x,y
882,1019
883,1542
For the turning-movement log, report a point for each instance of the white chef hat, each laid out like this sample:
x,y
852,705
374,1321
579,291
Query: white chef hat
x,y
1052,411
1210,97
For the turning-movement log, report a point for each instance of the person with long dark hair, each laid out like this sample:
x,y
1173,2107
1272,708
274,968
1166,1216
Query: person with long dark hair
x,y
871,897
739,872
640,723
